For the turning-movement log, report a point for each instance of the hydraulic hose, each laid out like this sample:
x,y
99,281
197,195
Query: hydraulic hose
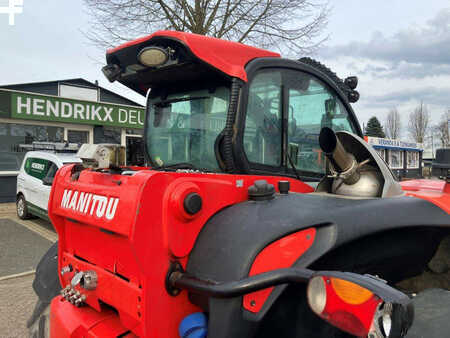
x,y
228,130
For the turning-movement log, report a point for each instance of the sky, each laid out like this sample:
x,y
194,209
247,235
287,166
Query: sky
x,y
400,51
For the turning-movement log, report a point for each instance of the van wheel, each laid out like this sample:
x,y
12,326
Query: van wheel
x,y
21,208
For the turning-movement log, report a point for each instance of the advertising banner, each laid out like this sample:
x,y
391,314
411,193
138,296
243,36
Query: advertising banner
x,y
57,109
393,144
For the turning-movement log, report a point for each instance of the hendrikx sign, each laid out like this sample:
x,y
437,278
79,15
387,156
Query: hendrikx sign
x,y
50,108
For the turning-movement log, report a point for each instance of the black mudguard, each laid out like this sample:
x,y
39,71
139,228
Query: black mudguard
x,y
46,281
230,241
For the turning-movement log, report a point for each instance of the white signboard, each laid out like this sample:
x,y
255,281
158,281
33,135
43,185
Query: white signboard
x,y
387,143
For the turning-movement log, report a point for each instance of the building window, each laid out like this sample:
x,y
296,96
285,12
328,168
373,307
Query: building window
x,y
412,159
135,132
112,135
396,159
78,136
14,137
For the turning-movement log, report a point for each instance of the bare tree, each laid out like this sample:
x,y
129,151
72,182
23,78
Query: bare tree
x,y
441,130
418,123
296,25
393,125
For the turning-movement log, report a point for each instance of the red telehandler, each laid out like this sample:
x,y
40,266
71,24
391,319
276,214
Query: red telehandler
x,y
263,212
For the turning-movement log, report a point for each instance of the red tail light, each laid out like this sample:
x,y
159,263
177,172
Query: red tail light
x,y
360,305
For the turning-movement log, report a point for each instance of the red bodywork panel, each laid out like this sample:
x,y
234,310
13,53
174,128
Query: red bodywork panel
x,y
227,56
128,229
83,323
434,191
280,254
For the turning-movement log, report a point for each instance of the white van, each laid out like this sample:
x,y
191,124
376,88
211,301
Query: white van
x,y
35,180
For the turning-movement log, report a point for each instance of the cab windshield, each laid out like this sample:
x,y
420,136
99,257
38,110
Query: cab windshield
x,y
183,127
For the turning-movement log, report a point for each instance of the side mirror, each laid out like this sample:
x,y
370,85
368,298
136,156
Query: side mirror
x,y
364,306
47,181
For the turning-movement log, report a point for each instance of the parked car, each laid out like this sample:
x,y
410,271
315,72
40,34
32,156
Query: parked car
x,y
35,180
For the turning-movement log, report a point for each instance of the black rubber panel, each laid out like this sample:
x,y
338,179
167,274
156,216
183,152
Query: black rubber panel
x,y
46,282
237,234
328,72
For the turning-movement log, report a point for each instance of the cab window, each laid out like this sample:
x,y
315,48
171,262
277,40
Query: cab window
x,y
312,106
184,126
262,135
37,167
306,104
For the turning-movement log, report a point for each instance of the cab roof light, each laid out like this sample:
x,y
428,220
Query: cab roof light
x,y
153,56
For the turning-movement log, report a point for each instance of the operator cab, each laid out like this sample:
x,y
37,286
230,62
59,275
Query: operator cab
x,y
220,106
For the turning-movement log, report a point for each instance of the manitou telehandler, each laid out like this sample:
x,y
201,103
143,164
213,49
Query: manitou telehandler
x,y
263,213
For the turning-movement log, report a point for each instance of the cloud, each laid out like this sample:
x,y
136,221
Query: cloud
x,y
429,44
399,70
437,96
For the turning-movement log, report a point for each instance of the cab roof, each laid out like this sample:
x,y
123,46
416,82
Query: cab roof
x,y
228,57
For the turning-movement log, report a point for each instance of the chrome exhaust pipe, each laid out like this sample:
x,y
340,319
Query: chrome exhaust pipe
x,y
344,165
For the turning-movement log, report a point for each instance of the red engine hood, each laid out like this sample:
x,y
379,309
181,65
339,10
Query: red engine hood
x,y
435,191
415,185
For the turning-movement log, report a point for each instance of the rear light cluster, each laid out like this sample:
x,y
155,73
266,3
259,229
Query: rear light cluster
x,y
356,309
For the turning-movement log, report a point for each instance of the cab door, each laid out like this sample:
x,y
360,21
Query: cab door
x,y
285,111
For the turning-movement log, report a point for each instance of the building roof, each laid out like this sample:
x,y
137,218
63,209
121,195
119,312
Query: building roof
x,y
80,82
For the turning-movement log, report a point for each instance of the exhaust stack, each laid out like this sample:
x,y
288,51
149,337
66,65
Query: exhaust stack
x,y
343,164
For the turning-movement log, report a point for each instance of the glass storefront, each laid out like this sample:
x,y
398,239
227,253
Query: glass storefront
x,y
78,136
13,136
396,159
112,135
78,114
412,159
135,151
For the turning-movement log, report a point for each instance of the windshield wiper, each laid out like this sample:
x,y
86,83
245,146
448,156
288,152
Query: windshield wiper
x,y
181,165
181,99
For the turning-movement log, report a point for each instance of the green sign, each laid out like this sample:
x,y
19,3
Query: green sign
x,y
50,108
36,167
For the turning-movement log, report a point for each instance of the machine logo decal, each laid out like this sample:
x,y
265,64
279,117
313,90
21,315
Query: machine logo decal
x,y
88,203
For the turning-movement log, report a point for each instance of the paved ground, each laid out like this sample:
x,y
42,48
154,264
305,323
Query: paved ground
x,y
22,243
16,306
20,249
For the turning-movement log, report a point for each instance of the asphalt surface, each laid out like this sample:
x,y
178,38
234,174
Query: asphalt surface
x,y
22,244
20,248
16,306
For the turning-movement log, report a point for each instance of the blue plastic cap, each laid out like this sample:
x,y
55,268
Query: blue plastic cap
x,y
194,326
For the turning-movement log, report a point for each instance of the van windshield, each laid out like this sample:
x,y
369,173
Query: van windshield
x,y
182,128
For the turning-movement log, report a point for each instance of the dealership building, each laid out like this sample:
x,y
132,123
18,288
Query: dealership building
x,y
404,158
74,110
